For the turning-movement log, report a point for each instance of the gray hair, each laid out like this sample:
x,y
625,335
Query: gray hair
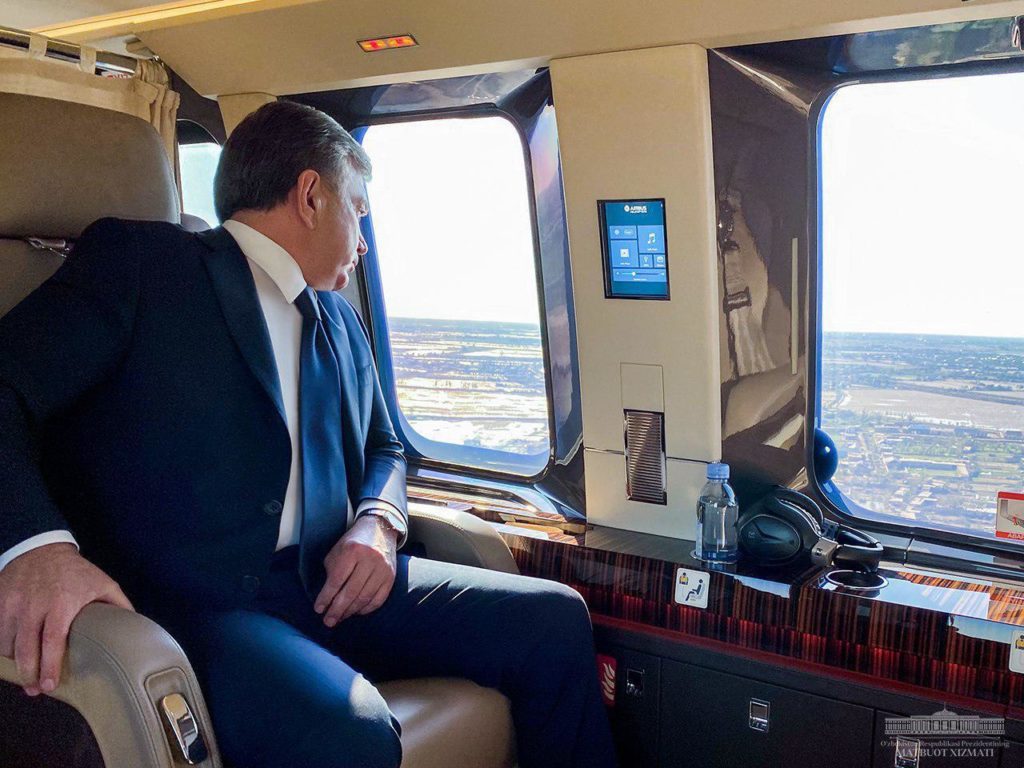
x,y
265,154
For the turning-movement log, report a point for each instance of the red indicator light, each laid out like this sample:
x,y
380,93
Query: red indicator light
x,y
382,43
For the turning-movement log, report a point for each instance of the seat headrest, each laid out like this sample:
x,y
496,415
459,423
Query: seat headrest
x,y
192,223
64,165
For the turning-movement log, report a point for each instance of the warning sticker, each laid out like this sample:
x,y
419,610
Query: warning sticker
x,y
692,587
1017,651
1010,515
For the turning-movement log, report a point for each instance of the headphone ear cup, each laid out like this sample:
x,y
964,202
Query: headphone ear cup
x,y
786,524
806,525
768,538
777,533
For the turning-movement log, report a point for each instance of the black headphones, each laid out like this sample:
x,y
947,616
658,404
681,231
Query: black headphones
x,y
785,526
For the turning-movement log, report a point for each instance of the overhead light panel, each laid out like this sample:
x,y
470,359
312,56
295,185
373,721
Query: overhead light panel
x,y
386,43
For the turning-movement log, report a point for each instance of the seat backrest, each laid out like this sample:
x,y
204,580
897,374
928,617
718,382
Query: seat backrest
x,y
62,166
192,223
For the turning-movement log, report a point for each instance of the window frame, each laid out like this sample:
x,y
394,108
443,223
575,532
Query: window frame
x,y
841,506
189,131
371,288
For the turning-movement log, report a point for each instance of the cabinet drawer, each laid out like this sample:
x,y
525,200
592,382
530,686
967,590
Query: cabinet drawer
x,y
1013,755
712,718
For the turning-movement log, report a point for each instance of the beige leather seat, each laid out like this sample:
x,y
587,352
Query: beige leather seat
x,y
61,167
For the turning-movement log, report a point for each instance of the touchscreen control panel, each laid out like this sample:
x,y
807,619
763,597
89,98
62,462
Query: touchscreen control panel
x,y
634,248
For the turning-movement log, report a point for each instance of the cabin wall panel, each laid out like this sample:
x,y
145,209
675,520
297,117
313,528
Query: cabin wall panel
x,y
235,107
637,125
762,119
607,504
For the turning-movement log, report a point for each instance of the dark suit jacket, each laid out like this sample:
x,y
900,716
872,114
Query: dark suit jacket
x,y
140,409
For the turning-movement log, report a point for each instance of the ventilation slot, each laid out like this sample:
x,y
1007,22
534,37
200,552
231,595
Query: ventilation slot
x,y
645,456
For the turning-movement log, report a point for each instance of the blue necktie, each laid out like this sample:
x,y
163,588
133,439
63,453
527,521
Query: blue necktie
x,y
324,487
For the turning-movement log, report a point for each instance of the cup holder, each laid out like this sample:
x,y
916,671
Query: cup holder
x,y
856,581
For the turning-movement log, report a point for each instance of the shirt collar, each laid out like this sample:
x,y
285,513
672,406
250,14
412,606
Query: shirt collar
x,y
270,257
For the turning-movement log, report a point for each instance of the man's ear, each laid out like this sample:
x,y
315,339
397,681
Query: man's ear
x,y
309,197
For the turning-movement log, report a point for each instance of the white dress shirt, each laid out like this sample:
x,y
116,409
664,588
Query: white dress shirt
x,y
278,282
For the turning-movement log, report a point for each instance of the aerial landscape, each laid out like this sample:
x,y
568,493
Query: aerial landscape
x,y
929,428
472,382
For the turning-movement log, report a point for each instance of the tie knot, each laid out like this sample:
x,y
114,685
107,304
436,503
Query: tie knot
x,y
307,304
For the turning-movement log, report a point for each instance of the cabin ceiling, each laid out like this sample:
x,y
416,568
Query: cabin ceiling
x,y
30,14
295,46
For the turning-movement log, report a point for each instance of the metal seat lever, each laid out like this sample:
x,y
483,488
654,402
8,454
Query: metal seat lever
x,y
184,728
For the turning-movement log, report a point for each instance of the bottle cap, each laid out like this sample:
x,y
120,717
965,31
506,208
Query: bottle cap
x,y
718,471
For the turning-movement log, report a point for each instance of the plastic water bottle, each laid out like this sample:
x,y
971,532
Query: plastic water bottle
x,y
717,513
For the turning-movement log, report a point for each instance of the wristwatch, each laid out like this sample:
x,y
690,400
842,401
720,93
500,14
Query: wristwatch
x,y
393,520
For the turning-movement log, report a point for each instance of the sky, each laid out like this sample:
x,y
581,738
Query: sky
x,y
198,165
451,218
923,207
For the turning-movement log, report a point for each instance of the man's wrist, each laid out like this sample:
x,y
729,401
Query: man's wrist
x,y
47,553
385,521
38,541
384,511
382,520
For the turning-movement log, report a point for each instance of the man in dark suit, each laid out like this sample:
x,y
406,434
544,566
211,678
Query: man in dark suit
x,y
197,419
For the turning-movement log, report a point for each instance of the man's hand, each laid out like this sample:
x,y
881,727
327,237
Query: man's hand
x,y
360,571
41,593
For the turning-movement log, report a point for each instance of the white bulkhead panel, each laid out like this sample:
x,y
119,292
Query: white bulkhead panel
x,y
637,124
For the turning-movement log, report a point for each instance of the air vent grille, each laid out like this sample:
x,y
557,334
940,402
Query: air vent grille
x,y
645,456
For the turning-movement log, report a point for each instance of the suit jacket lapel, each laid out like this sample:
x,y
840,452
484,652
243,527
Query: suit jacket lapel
x,y
232,280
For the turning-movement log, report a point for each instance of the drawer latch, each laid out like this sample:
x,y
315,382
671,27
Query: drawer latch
x,y
759,715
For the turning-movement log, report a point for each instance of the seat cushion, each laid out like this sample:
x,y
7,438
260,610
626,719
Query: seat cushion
x,y
451,722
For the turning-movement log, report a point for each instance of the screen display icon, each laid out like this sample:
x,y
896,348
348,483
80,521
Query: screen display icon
x,y
652,238
622,233
624,253
635,247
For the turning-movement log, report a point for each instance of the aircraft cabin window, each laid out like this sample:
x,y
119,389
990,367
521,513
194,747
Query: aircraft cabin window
x,y
198,166
453,235
922,344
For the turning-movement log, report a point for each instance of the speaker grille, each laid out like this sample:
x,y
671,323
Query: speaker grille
x,y
645,456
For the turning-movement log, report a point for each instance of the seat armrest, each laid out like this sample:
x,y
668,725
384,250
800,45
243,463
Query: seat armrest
x,y
118,667
459,537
